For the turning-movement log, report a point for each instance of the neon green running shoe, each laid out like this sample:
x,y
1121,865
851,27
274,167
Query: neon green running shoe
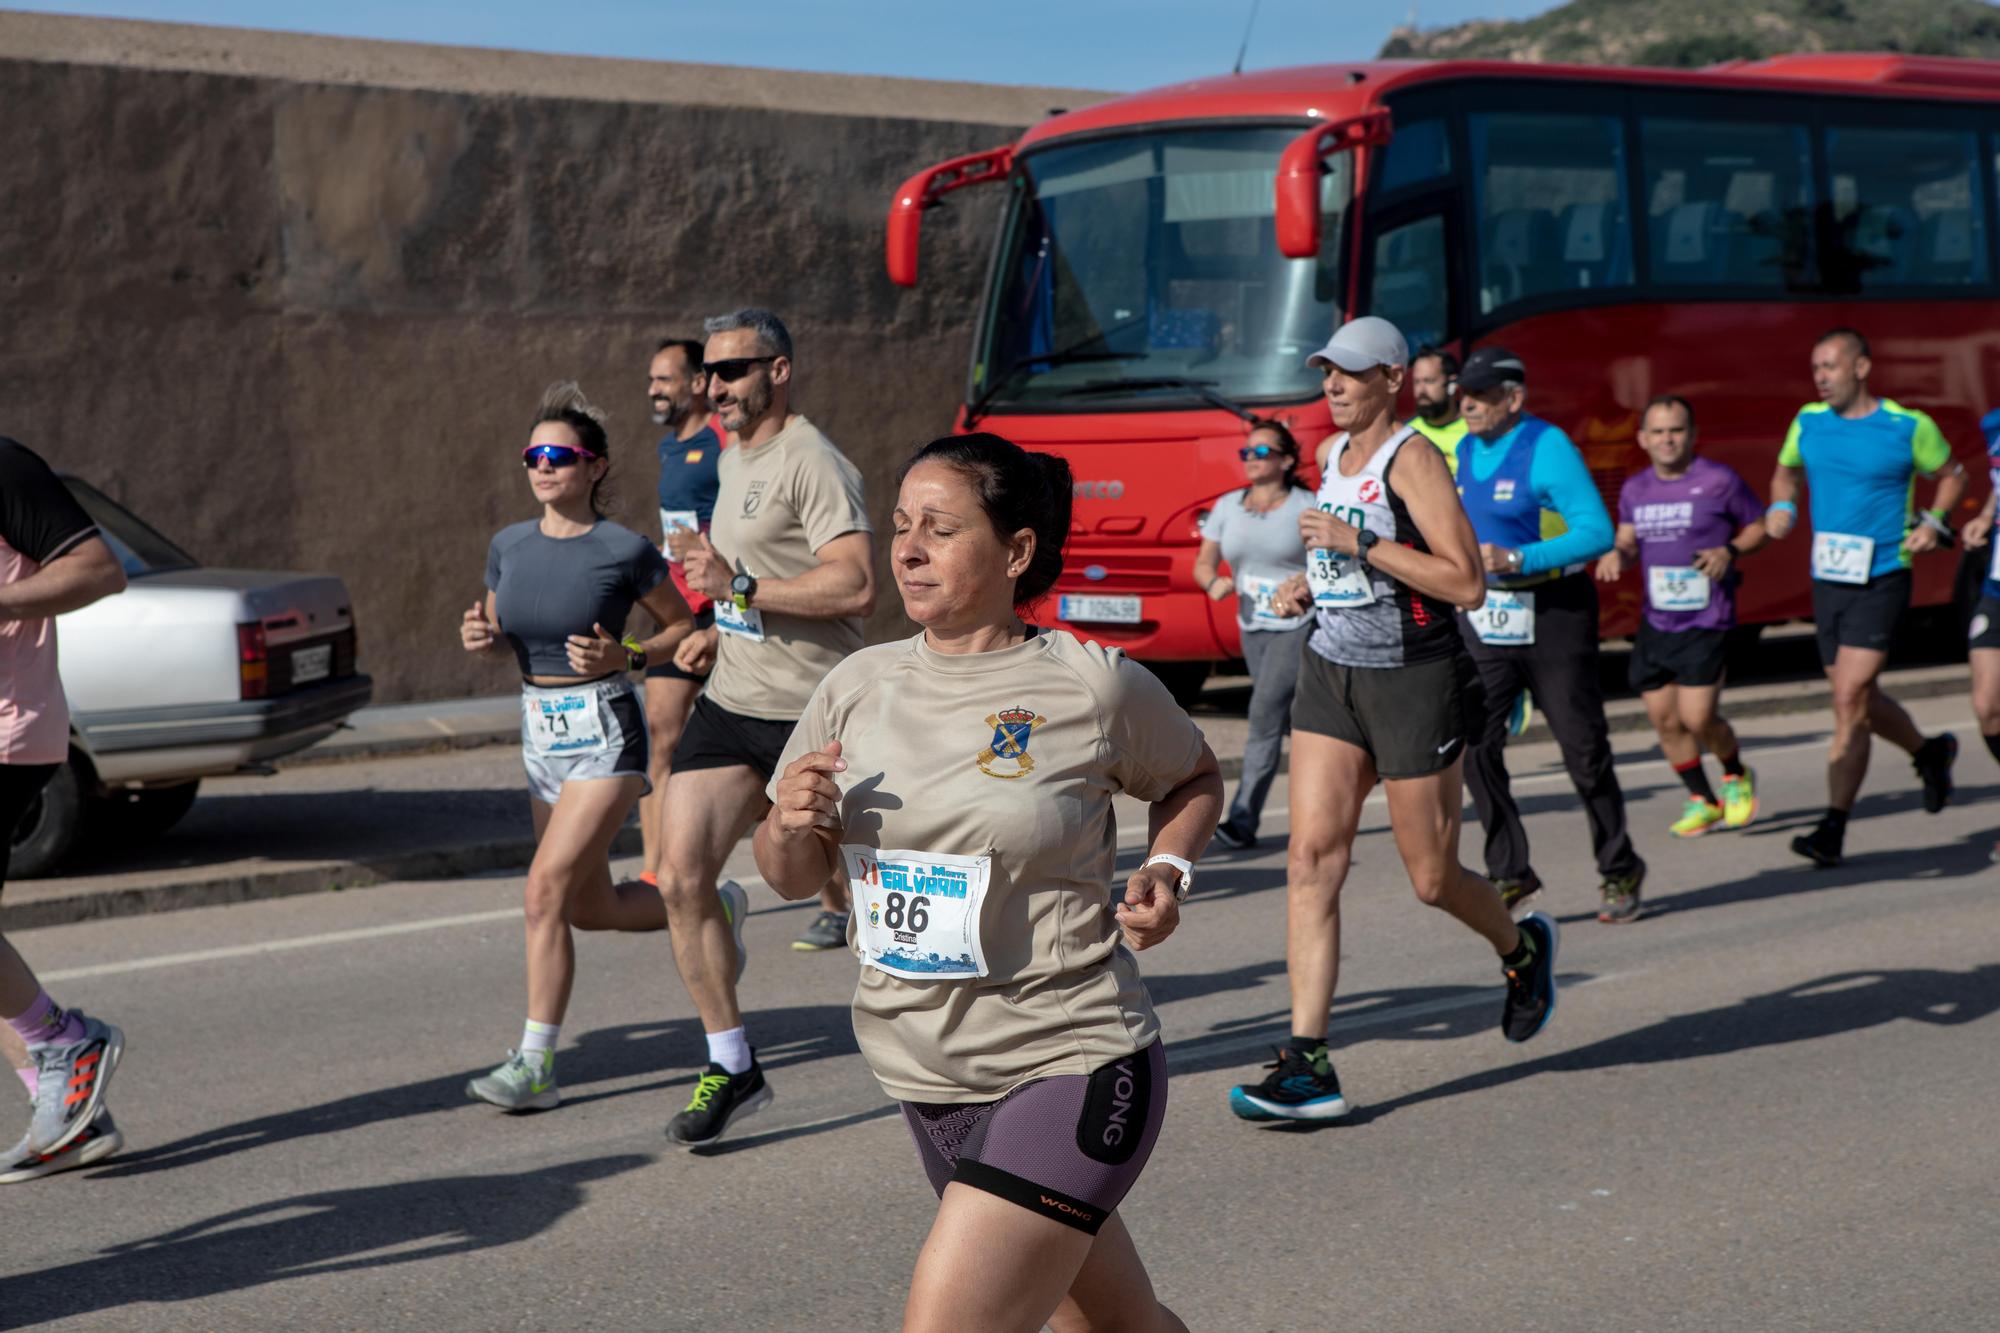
x,y
527,1082
1739,799
1697,817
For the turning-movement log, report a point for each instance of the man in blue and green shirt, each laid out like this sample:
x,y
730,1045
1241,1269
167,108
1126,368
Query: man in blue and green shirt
x,y
1860,455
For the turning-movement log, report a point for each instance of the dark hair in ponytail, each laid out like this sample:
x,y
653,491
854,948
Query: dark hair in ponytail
x,y
564,401
1017,490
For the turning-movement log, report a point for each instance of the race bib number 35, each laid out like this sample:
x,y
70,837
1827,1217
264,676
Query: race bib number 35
x,y
1840,557
1338,580
563,723
916,914
1507,620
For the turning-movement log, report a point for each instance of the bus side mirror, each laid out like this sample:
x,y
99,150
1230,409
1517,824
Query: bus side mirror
x,y
927,189
1300,169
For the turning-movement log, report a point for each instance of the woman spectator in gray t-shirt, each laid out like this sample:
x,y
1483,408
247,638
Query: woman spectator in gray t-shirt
x,y
1255,531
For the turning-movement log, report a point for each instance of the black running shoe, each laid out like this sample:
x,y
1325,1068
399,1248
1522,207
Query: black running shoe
x,y
1531,987
719,1098
1301,1086
1233,837
1933,762
1821,846
1514,892
1621,897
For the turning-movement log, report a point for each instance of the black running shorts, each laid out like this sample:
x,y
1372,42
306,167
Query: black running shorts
x,y
1985,629
1677,657
667,670
717,738
1068,1147
1859,615
20,784
1412,720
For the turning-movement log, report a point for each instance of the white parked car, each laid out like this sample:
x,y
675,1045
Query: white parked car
x,y
189,673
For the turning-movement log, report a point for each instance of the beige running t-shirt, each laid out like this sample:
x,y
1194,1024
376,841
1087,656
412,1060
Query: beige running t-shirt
x,y
1013,755
776,504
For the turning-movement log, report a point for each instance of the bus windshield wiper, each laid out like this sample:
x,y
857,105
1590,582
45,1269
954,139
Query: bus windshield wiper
x,y
977,408
1202,389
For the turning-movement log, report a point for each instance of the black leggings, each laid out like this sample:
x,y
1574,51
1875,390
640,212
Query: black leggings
x,y
20,784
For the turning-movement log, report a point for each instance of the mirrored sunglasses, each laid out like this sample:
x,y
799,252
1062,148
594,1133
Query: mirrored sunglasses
x,y
555,455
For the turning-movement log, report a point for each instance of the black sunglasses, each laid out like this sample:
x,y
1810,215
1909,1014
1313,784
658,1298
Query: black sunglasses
x,y
735,368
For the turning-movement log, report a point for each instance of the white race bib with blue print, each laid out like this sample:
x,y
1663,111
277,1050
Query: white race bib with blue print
x,y
1338,580
1507,620
565,723
678,520
1841,557
747,623
916,914
1678,588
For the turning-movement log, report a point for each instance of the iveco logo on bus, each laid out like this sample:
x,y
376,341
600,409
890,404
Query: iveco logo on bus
x,y
1099,490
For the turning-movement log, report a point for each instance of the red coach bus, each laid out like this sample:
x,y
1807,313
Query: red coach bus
x,y
1167,261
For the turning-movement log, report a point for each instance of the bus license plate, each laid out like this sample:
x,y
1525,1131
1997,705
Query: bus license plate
x,y
310,664
1103,610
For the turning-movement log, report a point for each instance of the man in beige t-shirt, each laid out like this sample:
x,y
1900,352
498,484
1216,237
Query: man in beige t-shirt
x,y
790,563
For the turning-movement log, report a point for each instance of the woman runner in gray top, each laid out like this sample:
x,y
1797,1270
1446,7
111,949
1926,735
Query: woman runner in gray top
x,y
1256,531
558,590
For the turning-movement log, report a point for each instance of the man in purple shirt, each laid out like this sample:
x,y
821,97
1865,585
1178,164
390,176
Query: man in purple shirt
x,y
1686,521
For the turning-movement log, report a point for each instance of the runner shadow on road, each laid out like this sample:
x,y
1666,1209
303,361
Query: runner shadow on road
x,y
806,1032
309,1235
1933,861
1827,1007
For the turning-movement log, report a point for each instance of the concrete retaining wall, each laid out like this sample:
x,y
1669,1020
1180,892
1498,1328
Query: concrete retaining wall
x,y
293,299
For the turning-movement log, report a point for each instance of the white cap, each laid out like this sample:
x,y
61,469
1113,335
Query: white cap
x,y
1362,344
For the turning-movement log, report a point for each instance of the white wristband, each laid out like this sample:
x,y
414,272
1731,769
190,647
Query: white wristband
x,y
1186,867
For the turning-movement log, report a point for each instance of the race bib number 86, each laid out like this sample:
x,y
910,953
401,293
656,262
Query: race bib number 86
x,y
916,914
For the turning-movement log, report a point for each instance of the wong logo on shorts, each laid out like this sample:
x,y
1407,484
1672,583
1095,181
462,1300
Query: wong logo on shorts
x,y
1012,728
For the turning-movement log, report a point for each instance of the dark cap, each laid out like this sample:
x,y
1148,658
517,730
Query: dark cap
x,y
1489,368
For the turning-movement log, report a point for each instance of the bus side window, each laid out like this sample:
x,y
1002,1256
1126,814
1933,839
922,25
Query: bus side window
x,y
1906,208
1552,212
1410,280
1728,203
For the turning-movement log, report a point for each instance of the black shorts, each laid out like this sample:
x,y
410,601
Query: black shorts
x,y
1984,631
1412,720
20,784
667,670
717,738
1859,615
1677,657
1069,1147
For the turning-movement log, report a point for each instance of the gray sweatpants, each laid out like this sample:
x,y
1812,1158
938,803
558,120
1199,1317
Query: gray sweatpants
x,y
1273,658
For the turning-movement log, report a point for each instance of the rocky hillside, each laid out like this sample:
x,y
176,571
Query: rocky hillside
x,y
1701,32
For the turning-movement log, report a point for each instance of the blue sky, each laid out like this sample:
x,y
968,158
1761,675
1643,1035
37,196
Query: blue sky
x,y
1112,44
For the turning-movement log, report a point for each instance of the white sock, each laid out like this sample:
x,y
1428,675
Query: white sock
x,y
730,1049
540,1038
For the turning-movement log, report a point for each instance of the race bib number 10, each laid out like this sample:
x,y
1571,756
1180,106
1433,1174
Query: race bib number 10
x,y
1840,557
916,914
1507,620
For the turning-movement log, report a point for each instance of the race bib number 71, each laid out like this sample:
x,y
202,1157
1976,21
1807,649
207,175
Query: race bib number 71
x,y
916,914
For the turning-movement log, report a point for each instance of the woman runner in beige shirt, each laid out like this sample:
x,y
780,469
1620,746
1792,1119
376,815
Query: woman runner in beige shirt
x,y
963,781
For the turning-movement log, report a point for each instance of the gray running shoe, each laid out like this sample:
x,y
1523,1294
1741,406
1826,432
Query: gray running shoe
x,y
827,931
527,1082
736,906
100,1138
72,1080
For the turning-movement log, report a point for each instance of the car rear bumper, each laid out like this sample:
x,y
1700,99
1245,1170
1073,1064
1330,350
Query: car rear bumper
x,y
202,740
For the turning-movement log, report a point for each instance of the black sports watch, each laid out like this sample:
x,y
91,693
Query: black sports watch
x,y
1364,542
741,589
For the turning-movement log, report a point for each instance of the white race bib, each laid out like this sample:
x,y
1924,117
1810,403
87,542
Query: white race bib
x,y
564,723
1840,557
1677,588
745,624
1507,620
916,914
677,520
1338,580
1259,607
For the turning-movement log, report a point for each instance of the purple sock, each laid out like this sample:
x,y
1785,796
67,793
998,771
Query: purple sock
x,y
47,1023
27,1076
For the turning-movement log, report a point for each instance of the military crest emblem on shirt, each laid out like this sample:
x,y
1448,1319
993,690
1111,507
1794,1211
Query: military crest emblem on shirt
x,y
753,497
1007,757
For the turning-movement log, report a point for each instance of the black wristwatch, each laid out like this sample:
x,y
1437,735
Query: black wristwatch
x,y
741,589
1364,542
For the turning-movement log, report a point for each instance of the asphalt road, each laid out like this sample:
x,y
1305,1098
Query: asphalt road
x,y
1769,1105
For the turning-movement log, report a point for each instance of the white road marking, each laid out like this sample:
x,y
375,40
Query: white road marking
x,y
284,945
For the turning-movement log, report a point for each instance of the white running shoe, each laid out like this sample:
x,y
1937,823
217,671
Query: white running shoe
x,y
99,1139
527,1082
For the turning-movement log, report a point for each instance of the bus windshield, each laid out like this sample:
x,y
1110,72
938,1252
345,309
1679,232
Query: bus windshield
x,y
1145,268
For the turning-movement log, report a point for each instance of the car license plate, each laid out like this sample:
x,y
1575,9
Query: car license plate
x,y
310,664
1105,610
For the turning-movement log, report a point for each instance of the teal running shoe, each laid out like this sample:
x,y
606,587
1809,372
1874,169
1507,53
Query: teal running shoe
x,y
1300,1086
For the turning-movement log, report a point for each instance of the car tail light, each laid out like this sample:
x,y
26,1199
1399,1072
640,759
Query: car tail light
x,y
253,658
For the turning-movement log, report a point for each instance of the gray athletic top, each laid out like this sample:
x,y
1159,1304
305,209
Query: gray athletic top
x,y
547,588
1262,551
